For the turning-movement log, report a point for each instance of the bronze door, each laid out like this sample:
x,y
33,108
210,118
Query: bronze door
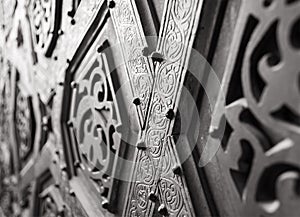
x,y
149,108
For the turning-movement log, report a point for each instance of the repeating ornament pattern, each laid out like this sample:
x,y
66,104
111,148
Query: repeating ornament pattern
x,y
260,148
95,120
132,43
179,22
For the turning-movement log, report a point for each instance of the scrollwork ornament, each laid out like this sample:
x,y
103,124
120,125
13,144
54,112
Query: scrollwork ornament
x,y
260,147
45,21
95,118
132,41
178,22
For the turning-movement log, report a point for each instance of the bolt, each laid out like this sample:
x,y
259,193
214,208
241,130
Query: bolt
x,y
73,21
152,196
70,123
141,145
137,101
111,4
157,57
63,168
77,164
73,84
103,191
170,114
177,170
104,203
146,51
72,193
162,210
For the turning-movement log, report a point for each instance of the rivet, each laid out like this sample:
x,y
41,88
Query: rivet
x,y
146,51
63,168
103,191
77,164
162,210
157,57
70,123
177,170
71,192
61,83
137,101
170,114
45,120
73,84
141,145
73,21
152,196
111,4
104,204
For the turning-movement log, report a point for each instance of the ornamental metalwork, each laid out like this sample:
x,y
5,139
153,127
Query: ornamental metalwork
x,y
133,43
94,122
153,172
45,21
258,160
105,135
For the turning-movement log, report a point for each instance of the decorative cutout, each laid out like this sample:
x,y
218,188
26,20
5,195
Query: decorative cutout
x,y
262,101
46,19
50,202
95,119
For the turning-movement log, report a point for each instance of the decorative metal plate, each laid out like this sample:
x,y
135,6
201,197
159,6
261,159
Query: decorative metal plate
x,y
175,41
132,42
259,162
94,122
